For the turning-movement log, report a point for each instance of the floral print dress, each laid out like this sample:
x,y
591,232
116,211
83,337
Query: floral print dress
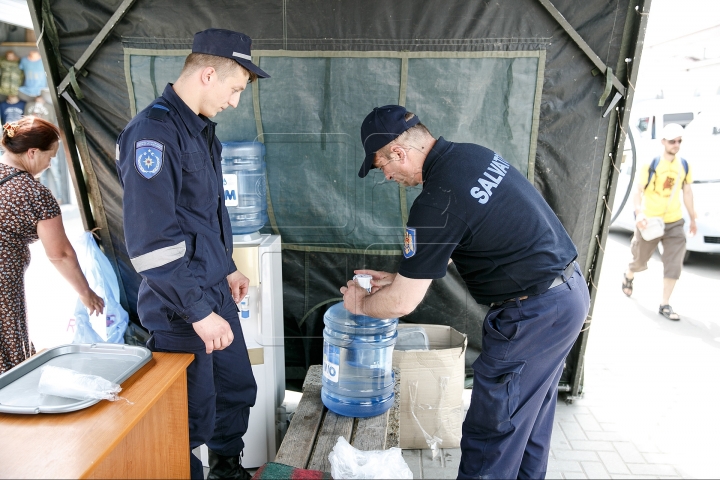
x,y
23,203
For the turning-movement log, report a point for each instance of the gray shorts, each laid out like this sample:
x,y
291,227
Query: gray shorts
x,y
673,242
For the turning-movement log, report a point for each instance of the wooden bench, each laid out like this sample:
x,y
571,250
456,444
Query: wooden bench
x,y
314,430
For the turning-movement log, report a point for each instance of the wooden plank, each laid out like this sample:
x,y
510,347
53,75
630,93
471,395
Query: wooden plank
x,y
332,427
379,432
370,433
298,442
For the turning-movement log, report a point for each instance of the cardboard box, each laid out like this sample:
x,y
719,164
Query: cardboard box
x,y
432,381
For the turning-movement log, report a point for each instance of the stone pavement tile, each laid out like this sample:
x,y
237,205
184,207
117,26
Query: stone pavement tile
x,y
575,475
610,427
645,445
606,436
451,457
563,408
604,414
651,469
576,455
594,445
614,463
627,476
558,440
658,458
553,475
565,466
595,470
628,452
439,473
653,477
573,431
412,458
427,460
588,422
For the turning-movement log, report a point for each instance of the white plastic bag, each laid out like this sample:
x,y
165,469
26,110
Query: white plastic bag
x,y
108,327
347,462
63,382
655,228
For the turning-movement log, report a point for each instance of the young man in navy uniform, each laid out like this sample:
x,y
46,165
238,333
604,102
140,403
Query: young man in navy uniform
x,y
179,239
513,253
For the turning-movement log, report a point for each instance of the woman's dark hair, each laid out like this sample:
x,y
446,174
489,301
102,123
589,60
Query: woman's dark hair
x,y
29,132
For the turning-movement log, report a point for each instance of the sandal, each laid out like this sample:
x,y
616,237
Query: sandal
x,y
667,312
627,285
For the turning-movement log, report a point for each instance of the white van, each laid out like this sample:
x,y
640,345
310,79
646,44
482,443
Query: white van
x,y
651,116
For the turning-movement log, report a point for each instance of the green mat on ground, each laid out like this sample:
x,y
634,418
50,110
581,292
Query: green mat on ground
x,y
278,471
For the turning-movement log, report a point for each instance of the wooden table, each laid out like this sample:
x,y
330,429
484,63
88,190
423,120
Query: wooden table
x,y
146,439
314,430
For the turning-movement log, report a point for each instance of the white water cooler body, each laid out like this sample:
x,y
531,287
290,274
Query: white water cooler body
x,y
259,258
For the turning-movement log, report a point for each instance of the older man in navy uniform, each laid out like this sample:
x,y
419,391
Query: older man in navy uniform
x,y
513,253
179,239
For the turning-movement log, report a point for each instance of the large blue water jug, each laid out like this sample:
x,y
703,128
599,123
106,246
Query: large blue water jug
x,y
243,166
357,379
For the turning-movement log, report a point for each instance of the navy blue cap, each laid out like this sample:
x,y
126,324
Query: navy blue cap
x,y
380,127
228,44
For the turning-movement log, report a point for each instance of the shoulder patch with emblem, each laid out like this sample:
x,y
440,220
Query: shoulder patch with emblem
x,y
409,246
149,157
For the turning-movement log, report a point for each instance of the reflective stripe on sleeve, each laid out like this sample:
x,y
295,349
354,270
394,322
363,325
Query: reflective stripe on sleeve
x,y
159,257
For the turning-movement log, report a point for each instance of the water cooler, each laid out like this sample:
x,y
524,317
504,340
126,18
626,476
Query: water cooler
x,y
262,326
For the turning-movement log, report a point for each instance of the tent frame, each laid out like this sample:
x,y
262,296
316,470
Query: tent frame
x,y
90,200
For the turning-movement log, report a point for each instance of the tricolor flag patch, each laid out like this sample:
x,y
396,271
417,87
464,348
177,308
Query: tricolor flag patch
x,y
409,246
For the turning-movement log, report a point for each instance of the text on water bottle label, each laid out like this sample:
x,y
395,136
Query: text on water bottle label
x,y
331,369
231,189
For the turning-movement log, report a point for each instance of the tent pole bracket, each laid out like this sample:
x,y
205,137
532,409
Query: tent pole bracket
x,y
92,48
594,58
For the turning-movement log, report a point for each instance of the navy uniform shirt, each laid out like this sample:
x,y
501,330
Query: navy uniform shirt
x,y
477,209
177,229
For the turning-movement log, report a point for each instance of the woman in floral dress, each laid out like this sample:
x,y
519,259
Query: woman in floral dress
x,y
29,212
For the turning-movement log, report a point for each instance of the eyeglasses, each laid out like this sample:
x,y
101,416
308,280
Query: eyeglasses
x,y
673,142
380,167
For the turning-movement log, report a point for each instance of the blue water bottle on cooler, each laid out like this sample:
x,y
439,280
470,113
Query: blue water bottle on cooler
x,y
357,379
243,167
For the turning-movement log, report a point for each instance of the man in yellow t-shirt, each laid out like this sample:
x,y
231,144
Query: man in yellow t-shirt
x,y
658,195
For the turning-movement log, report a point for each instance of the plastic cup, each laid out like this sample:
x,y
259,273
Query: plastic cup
x,y
364,281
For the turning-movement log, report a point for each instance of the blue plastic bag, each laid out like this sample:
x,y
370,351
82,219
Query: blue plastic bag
x,y
101,278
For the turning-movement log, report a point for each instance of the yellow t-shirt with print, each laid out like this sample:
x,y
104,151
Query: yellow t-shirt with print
x,y
669,177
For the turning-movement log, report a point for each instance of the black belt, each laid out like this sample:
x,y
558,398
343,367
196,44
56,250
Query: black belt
x,y
559,280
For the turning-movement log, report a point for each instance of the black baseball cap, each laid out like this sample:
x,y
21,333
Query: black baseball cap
x,y
380,127
228,44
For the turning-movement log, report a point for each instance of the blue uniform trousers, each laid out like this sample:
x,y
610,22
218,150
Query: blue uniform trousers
x,y
506,433
221,386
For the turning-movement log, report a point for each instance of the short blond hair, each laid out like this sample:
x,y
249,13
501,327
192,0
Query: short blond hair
x,y
223,66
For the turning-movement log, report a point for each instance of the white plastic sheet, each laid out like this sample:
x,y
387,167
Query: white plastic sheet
x,y
67,383
347,462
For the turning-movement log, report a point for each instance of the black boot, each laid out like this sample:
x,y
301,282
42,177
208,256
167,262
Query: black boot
x,y
226,467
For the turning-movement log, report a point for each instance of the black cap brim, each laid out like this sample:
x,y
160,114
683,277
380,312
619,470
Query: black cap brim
x,y
367,165
248,65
